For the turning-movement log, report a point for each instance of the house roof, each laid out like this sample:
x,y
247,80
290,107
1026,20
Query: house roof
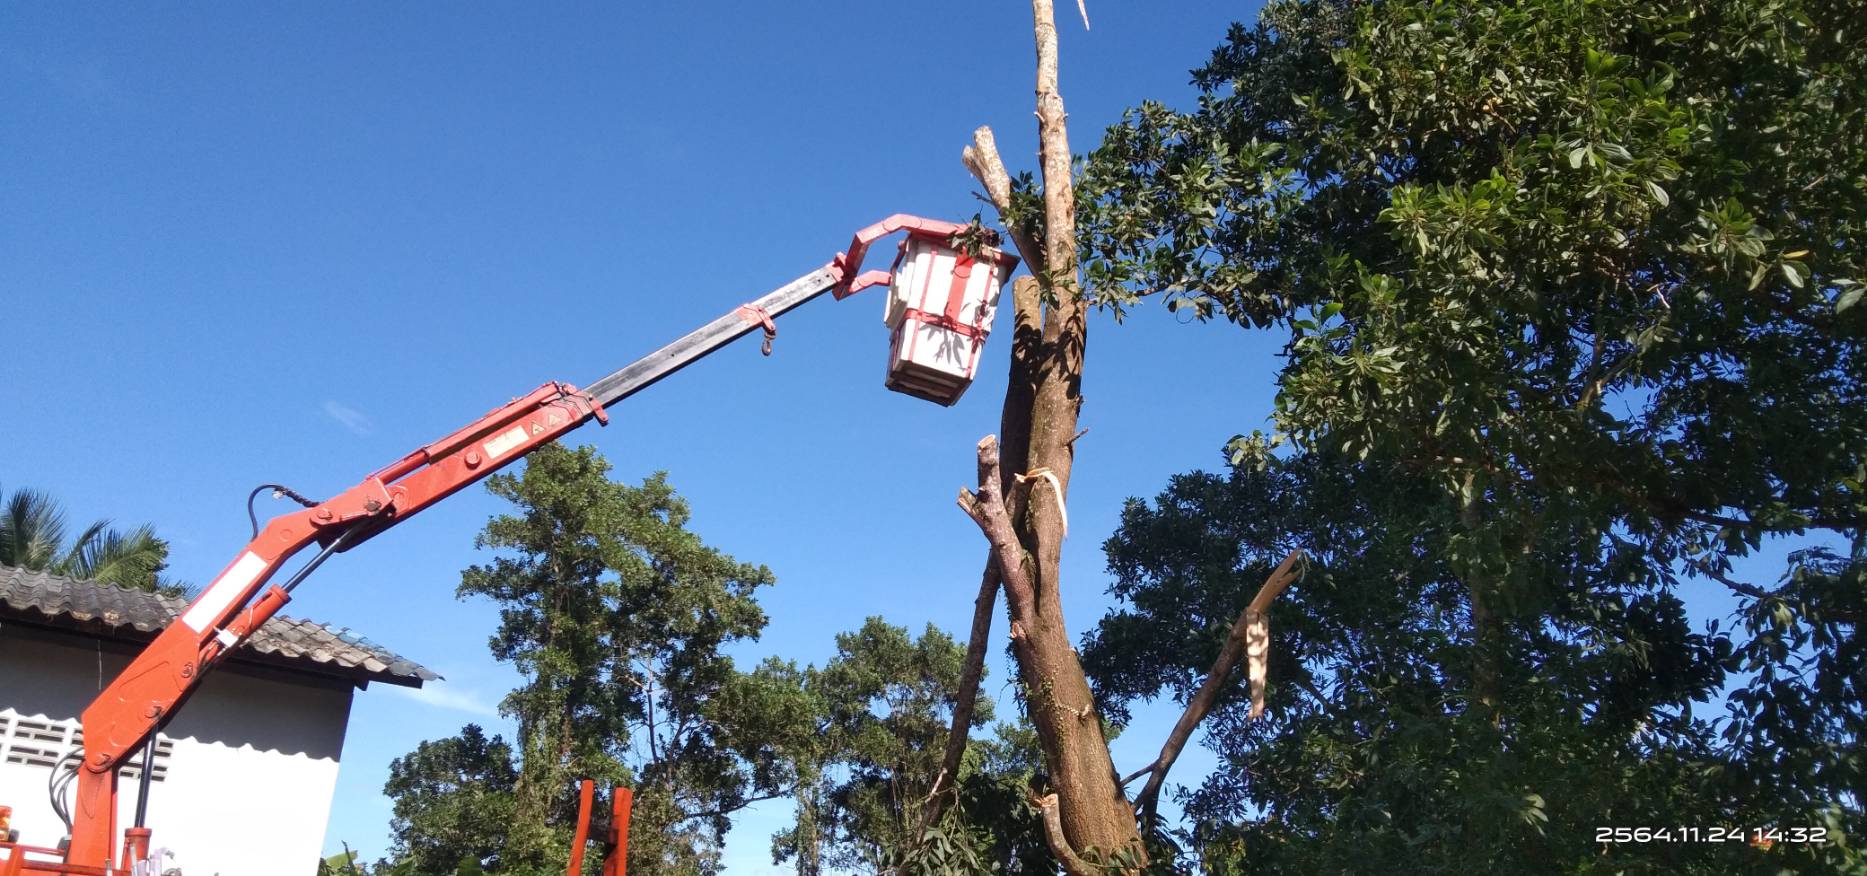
x,y
137,615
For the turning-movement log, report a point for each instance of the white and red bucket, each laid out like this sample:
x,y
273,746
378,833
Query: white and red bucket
x,y
941,300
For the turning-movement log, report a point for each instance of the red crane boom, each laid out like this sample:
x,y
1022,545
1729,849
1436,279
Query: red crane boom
x,y
127,714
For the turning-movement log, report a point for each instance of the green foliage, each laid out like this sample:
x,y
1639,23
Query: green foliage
x,y
881,708
342,864
1571,298
32,536
1805,671
1374,753
616,615
997,777
1541,243
453,802
947,847
992,828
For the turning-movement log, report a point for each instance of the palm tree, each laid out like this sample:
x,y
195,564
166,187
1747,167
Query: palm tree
x,y
32,536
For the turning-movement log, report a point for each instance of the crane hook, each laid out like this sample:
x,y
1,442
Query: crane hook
x,y
757,316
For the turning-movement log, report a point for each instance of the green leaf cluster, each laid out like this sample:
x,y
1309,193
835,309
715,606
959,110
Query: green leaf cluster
x,y
452,802
1375,753
881,709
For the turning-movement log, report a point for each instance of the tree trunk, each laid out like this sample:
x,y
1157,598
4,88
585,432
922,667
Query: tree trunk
x,y
1487,628
1024,516
1024,519
1094,813
809,833
1094,817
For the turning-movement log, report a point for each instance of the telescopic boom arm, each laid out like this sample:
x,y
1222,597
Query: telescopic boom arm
x,y
161,678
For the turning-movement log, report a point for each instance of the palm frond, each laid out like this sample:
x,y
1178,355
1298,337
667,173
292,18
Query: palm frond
x,y
127,559
72,562
31,529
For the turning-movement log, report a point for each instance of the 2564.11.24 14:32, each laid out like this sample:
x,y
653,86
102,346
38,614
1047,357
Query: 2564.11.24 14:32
x,y
1760,836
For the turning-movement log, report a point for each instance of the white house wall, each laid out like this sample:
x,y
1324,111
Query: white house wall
x,y
246,789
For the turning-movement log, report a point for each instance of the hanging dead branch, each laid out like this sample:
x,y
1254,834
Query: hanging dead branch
x,y
1250,636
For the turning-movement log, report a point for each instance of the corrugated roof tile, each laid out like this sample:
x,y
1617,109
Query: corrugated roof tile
x,y
55,596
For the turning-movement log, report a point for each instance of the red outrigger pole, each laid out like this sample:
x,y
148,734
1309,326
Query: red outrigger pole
x,y
615,842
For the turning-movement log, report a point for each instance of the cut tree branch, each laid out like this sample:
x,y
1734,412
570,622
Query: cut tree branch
x,y
987,509
1060,844
989,169
964,700
1208,693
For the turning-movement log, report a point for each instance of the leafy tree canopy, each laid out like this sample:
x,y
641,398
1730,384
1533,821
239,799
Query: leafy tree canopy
x,y
453,803
882,705
1374,752
1571,298
864,747
616,615
1562,255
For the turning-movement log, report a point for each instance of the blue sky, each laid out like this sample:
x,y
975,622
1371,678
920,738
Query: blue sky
x,y
244,244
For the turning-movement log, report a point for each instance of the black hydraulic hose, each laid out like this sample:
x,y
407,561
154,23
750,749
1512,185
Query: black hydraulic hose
x,y
58,783
278,490
65,769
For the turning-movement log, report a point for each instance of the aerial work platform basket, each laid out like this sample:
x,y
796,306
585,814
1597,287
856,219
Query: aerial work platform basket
x,y
942,295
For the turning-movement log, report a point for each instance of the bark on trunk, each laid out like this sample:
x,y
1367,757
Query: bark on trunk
x,y
1091,810
1020,507
1091,807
